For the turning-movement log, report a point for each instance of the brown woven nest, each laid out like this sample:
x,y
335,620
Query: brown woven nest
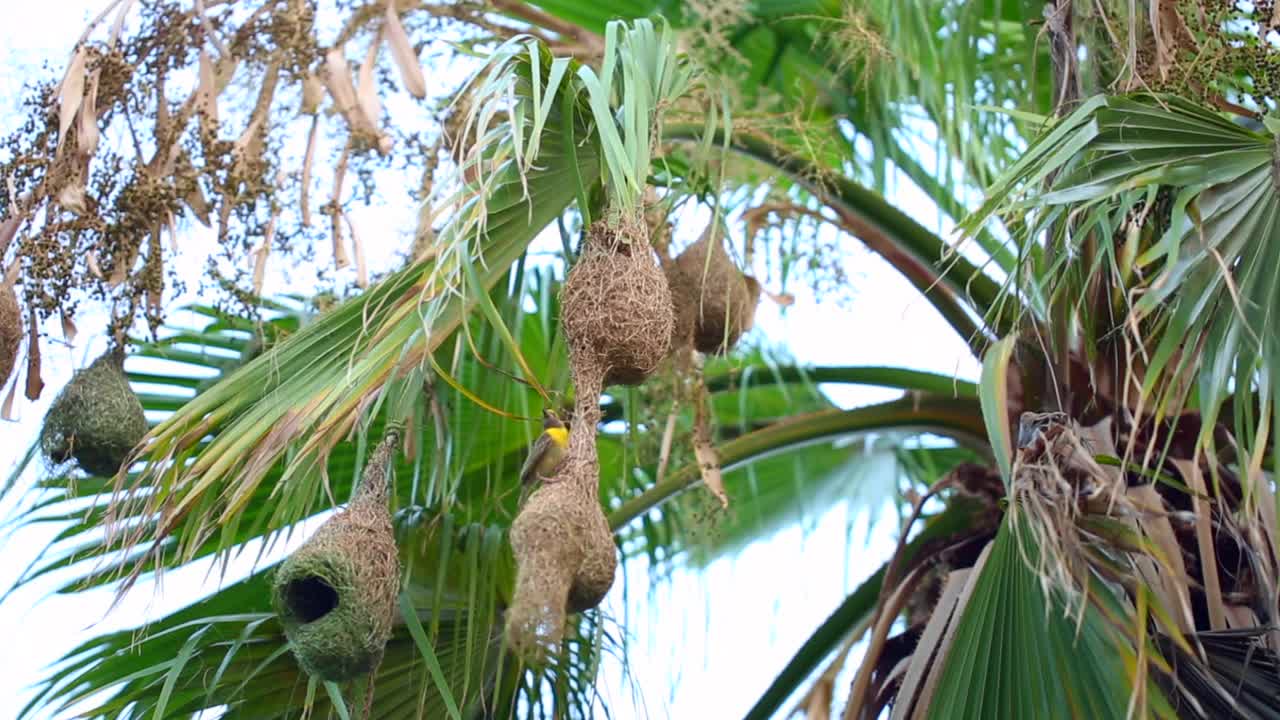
x,y
714,302
336,595
10,330
96,419
615,305
563,547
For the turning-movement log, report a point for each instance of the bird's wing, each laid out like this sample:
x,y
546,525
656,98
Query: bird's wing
x,y
535,454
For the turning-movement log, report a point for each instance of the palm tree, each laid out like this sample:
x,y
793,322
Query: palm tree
x,y
1095,538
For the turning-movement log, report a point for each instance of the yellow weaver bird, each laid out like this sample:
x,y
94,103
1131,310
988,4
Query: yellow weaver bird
x,y
548,450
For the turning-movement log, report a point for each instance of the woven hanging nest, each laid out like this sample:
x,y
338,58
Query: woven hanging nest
x,y
336,595
10,330
715,303
564,550
96,419
616,305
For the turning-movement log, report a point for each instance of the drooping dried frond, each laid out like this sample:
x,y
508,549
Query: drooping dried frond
x,y
1053,480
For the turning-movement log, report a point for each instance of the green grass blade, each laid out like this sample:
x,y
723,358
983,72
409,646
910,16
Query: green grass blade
x,y
171,678
410,615
335,697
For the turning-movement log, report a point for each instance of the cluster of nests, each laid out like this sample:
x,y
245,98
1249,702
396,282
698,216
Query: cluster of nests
x,y
622,314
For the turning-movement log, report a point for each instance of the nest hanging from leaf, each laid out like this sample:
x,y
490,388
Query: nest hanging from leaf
x,y
336,595
96,419
616,305
715,303
564,550
10,330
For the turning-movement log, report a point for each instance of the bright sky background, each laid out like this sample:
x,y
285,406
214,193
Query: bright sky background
x,y
702,646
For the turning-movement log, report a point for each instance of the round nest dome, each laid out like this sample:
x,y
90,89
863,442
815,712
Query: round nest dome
x,y
10,331
616,305
336,595
96,419
715,303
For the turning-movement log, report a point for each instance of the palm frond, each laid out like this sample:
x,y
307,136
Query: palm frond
x,y
1180,204
1018,651
954,523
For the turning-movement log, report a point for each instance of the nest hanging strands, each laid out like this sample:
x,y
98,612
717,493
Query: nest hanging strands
x,y
616,305
715,302
96,419
10,330
563,547
336,595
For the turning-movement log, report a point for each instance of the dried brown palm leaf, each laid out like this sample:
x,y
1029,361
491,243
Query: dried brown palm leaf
x,y
304,185
402,52
313,90
357,249
71,92
87,134
938,631
8,230
367,96
207,96
35,384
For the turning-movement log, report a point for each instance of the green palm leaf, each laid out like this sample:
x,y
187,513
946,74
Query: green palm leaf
x,y
1018,652
1203,274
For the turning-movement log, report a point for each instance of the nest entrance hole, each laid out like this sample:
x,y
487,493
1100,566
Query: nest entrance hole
x,y
310,598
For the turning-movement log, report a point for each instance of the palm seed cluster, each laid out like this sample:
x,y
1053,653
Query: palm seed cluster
x,y
1223,52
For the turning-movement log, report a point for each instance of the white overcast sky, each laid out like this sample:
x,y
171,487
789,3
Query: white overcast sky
x,y
702,645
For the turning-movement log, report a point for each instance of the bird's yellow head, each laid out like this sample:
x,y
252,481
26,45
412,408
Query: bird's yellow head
x,y
558,435
554,428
